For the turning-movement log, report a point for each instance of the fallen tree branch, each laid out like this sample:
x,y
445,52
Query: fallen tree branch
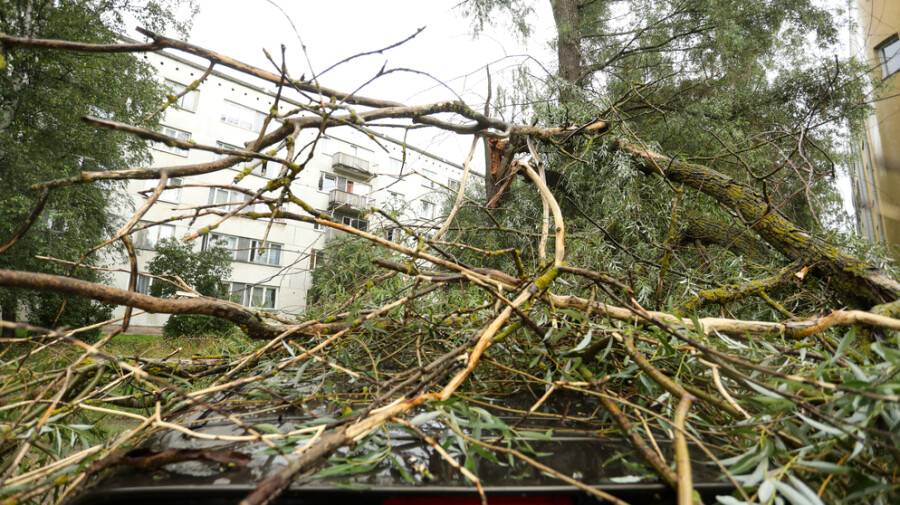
x,y
247,320
860,283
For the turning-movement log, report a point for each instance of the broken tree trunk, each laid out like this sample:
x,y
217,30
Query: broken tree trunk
x,y
859,283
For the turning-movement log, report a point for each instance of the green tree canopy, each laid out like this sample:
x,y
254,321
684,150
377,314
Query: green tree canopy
x,y
43,95
205,271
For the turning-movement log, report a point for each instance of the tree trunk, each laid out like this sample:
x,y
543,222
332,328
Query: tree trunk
x,y
700,228
8,313
568,45
859,283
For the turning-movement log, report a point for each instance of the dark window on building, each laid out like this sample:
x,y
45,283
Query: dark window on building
x,y
144,283
889,54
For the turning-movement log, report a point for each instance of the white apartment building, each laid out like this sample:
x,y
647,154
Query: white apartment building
x,y
347,176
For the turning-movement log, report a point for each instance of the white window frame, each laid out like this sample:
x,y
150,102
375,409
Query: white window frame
x,y
264,256
888,52
232,197
241,116
354,222
187,102
259,167
144,284
316,257
168,195
248,294
247,250
149,238
326,176
172,132
334,181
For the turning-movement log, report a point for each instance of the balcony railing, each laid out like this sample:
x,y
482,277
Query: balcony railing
x,y
349,164
348,201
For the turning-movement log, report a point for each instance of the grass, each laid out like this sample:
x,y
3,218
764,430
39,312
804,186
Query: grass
x,y
132,345
158,346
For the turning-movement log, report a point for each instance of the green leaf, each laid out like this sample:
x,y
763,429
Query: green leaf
x,y
792,495
822,427
824,466
584,342
266,428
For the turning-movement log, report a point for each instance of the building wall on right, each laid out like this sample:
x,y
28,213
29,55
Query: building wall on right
x,y
876,176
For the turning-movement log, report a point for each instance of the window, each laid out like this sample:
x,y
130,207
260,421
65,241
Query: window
x,y
144,283
427,208
394,234
889,54
148,238
224,241
268,254
259,168
222,196
359,224
186,102
334,145
316,259
238,115
261,297
246,249
453,184
172,132
396,165
169,195
327,182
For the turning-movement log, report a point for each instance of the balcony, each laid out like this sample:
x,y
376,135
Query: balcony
x,y
339,199
351,165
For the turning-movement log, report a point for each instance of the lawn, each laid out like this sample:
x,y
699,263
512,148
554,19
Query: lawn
x,y
158,346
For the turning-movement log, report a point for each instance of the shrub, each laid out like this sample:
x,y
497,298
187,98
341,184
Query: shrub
x,y
202,270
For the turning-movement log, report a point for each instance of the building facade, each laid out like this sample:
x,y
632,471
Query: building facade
x,y
272,263
876,174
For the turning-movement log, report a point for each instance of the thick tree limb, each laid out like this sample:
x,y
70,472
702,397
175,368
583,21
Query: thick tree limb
x,y
858,282
733,292
708,231
708,325
247,320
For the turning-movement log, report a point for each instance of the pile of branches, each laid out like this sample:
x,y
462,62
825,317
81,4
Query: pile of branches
x,y
799,406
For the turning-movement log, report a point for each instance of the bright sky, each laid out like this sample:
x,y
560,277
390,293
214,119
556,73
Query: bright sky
x,y
336,29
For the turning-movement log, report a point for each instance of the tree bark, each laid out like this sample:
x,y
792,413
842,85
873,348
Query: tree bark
x,y
857,282
708,231
246,320
8,313
568,45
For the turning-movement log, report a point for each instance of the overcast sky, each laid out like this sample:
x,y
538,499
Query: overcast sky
x,y
335,29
